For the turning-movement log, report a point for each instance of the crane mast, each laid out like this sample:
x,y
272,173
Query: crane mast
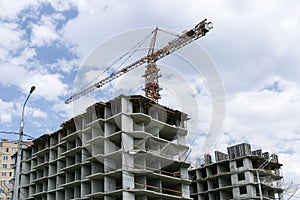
x,y
151,73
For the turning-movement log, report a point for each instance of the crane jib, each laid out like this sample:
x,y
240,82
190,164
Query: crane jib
x,y
187,37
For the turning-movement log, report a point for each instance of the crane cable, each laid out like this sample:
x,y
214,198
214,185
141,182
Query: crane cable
x,y
132,49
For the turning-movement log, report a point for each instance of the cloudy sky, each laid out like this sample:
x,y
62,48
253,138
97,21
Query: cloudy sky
x,y
254,46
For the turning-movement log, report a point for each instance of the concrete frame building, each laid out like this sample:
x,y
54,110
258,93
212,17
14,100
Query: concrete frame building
x,y
234,175
7,149
127,148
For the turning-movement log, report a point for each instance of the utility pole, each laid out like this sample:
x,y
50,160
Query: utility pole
x,y
19,153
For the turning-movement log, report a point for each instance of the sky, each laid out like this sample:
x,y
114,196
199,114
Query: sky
x,y
254,47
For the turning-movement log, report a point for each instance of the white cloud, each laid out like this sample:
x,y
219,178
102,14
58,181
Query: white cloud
x,y
5,111
12,74
10,9
3,54
266,111
286,32
65,111
19,66
10,40
37,113
44,34
96,22
26,55
48,86
66,66
6,118
11,109
61,5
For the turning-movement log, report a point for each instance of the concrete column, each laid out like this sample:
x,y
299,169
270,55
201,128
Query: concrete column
x,y
126,106
247,164
50,196
77,192
251,190
209,184
181,139
128,195
185,189
59,195
107,112
234,179
232,166
109,129
208,171
236,193
184,173
127,146
126,123
127,161
249,176
127,180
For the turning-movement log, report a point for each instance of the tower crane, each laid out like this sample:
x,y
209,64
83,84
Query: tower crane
x,y
151,73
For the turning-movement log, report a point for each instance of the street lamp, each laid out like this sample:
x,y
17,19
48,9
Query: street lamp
x,y
19,153
260,168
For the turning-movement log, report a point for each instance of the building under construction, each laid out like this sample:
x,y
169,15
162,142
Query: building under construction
x,y
127,148
133,148
238,174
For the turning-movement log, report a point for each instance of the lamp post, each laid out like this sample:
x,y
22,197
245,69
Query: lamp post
x,y
19,153
260,168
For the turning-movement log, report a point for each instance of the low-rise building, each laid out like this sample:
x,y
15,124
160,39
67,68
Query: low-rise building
x,y
7,149
237,174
